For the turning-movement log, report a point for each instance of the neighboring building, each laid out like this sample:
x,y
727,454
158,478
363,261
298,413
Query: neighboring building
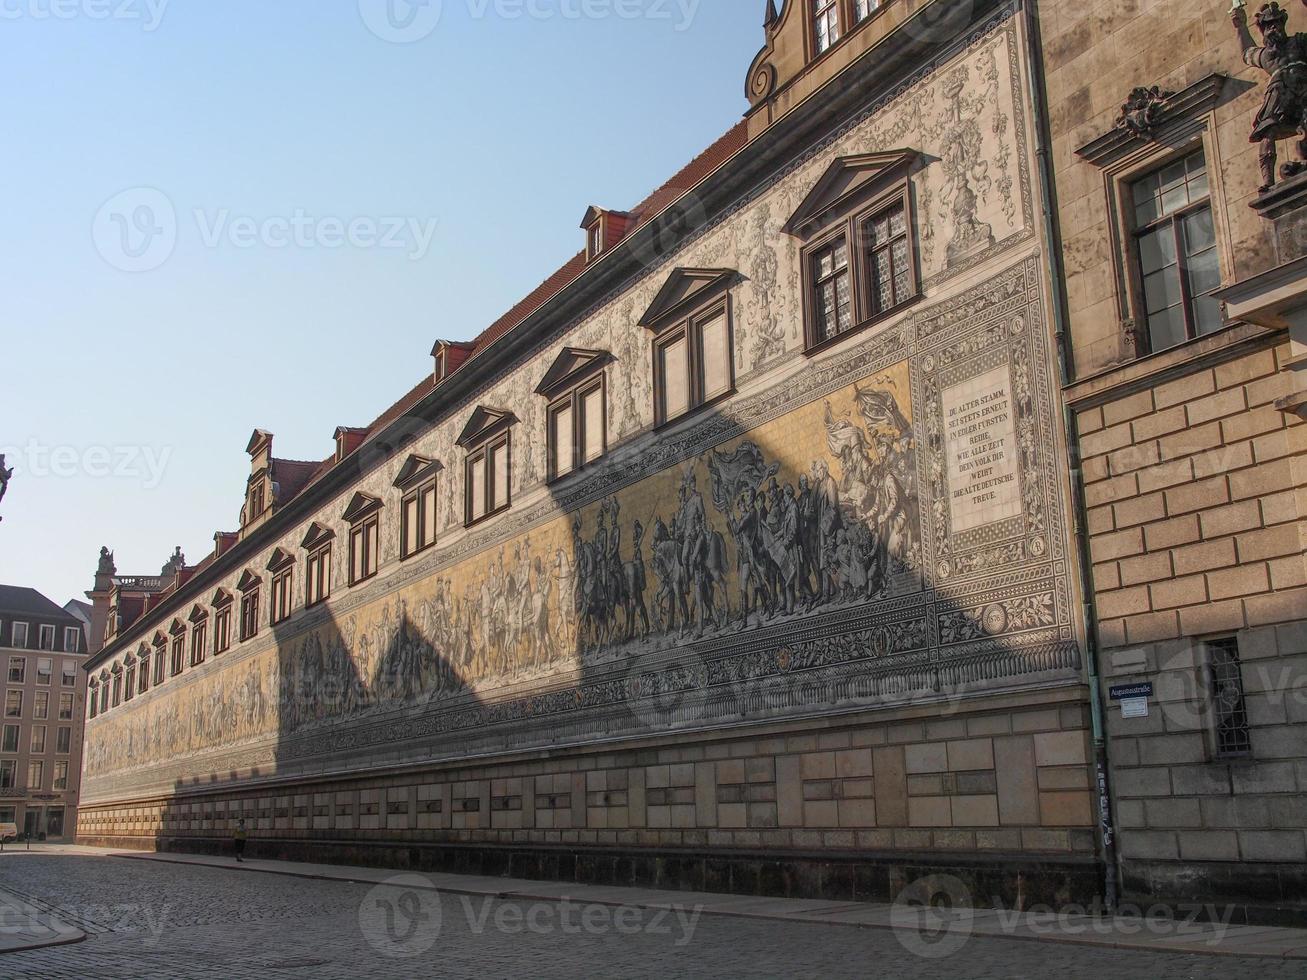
x,y
1186,288
43,649
743,553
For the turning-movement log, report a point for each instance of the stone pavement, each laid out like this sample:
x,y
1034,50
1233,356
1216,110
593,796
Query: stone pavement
x,y
183,916
24,925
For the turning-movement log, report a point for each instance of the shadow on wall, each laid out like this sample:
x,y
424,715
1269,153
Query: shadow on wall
x,y
777,573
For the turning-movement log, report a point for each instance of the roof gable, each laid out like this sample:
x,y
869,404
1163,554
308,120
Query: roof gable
x,y
571,365
484,423
684,289
846,182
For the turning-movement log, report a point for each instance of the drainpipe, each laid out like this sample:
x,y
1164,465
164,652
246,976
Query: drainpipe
x,y
1053,238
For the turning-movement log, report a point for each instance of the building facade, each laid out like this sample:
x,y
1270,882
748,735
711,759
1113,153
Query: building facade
x,y
744,553
43,650
1184,288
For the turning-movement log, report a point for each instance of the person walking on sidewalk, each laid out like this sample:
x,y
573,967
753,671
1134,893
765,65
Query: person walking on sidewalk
x,y
239,840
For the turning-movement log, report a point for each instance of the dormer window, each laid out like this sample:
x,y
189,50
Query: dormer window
x,y
448,356
603,230
487,437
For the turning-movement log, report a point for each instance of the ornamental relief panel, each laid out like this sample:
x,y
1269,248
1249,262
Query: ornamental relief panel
x,y
887,526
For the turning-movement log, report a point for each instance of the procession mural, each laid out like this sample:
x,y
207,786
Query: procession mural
x,y
885,521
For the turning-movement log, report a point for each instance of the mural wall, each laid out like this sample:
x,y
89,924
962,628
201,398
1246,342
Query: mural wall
x,y
881,524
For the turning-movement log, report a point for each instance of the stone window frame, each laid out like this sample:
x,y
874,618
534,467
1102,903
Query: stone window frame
x,y
1182,122
690,330
317,544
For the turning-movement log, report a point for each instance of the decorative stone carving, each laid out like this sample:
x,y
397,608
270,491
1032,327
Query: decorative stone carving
x,y
1283,57
1142,111
5,476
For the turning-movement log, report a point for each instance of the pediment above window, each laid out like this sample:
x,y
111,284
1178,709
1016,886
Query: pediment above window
x,y
318,535
220,598
360,506
1152,114
198,613
484,423
417,469
280,559
129,660
573,365
249,581
684,290
847,183
177,627
159,639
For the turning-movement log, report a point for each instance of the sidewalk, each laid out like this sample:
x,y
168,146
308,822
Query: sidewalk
x,y
936,930
24,926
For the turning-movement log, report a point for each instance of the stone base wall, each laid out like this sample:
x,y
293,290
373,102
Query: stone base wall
x,y
1002,784
1196,509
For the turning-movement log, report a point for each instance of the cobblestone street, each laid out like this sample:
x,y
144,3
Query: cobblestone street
x,y
151,919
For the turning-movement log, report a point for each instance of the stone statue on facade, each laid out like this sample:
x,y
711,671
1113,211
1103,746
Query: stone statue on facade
x,y
1283,57
5,476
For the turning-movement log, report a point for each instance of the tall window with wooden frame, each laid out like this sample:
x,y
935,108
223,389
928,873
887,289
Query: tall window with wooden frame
x,y
576,386
317,565
282,568
487,469
693,342
417,517
199,635
249,586
222,605
177,662
160,659
830,21
859,251
1178,265
143,669
363,515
